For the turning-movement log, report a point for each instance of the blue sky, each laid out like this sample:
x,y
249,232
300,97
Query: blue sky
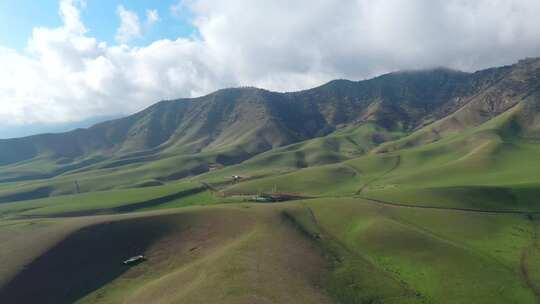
x,y
19,17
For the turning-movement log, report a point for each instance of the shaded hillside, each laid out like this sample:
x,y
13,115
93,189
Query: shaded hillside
x,y
235,124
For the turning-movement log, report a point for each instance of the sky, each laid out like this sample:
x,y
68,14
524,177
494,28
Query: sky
x,y
101,18
70,61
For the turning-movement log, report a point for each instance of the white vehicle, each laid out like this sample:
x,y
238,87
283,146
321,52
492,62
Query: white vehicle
x,y
134,260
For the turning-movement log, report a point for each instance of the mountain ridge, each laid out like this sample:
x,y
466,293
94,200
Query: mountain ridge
x,y
234,124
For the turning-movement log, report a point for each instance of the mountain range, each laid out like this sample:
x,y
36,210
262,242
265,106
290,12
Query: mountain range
x,y
233,125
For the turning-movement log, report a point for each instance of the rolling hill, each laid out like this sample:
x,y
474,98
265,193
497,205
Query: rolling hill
x,y
189,136
411,187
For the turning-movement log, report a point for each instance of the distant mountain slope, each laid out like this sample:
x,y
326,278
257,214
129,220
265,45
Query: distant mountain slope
x,y
518,85
235,124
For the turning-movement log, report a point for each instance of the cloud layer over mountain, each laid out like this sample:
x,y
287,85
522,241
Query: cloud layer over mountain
x,y
65,74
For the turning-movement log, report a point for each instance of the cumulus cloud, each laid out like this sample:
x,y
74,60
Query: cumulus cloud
x,y
130,26
67,75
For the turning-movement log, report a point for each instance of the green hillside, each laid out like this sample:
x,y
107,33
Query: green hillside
x,y
232,125
412,187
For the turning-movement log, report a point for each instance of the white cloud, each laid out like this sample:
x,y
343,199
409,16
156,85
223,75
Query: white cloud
x,y
67,75
152,16
177,8
71,16
130,26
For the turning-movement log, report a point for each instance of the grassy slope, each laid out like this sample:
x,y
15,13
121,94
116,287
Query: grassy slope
x,y
484,168
443,256
379,253
312,181
97,179
252,252
341,145
99,200
376,252
487,167
27,239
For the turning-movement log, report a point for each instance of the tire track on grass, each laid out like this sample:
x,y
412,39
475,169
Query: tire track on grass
x,y
526,253
338,252
381,202
525,256
394,167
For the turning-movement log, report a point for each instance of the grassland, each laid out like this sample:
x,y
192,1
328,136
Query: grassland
x,y
236,254
324,250
450,221
443,256
485,168
112,201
